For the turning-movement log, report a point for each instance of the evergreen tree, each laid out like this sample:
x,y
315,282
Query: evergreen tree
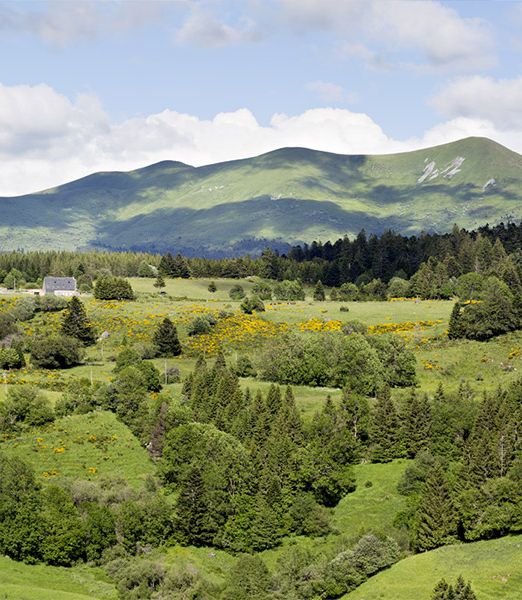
x,y
435,522
385,430
76,324
160,282
166,338
455,330
193,510
416,425
440,592
319,294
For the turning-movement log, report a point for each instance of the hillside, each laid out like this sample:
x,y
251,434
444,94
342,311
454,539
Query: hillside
x,y
291,194
492,566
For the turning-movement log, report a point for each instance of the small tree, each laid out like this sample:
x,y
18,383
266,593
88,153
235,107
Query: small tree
x,y
25,406
212,287
160,282
166,339
319,294
76,324
55,352
236,292
145,270
455,323
251,304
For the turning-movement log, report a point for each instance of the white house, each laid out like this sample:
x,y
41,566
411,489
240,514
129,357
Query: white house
x,y
60,286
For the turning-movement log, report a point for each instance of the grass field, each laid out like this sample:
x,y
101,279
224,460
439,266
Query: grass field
x,y
493,567
83,447
19,581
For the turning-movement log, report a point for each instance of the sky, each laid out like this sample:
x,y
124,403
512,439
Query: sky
x,y
101,85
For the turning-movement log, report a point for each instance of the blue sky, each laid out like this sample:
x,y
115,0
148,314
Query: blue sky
x,y
100,85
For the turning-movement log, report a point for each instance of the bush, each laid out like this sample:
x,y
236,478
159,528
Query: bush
x,y
347,292
263,290
344,308
289,291
244,367
212,287
55,351
25,309
10,358
51,303
173,375
251,304
398,288
236,292
25,406
199,326
113,288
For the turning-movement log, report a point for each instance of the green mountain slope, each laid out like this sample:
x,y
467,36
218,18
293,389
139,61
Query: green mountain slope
x,y
293,194
492,566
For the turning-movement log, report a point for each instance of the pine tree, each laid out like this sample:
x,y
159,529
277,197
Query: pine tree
x,y
166,339
416,425
385,430
455,329
436,522
440,592
194,523
319,294
76,324
160,282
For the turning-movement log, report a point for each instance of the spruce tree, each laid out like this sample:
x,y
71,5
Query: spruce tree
x,y
194,523
76,324
416,425
319,294
385,430
166,339
455,329
160,282
440,591
436,520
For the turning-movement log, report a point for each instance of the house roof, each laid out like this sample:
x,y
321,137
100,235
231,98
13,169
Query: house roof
x,y
52,284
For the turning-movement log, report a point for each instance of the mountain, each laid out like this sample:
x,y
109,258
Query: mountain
x,y
290,195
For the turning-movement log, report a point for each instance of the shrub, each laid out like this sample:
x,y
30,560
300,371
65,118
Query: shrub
x,y
51,303
25,406
212,287
289,291
251,304
25,309
344,308
10,358
398,288
263,290
348,291
236,292
55,351
173,375
113,288
244,367
199,326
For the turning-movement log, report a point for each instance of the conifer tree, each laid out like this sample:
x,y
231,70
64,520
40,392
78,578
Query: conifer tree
x,y
385,430
160,282
416,425
75,322
436,522
356,412
319,294
455,329
166,339
193,511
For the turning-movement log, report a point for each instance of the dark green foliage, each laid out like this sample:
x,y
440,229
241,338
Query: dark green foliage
x,y
236,292
212,287
251,304
145,270
263,290
319,294
113,288
174,266
385,429
436,518
455,326
244,367
55,351
460,591
336,360
201,325
127,397
159,283
25,406
416,425
75,323
166,339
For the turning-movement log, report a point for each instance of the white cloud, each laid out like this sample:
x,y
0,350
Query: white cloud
x,y
204,29
326,91
437,32
498,101
47,138
62,22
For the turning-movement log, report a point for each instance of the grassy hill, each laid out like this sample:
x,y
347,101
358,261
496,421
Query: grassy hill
x,y
19,581
291,194
493,567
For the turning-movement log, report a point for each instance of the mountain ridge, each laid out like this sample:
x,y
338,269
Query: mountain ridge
x,y
289,194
